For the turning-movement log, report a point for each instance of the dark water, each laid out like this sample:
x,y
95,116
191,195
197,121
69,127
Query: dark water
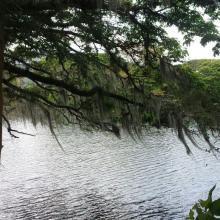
x,y
101,177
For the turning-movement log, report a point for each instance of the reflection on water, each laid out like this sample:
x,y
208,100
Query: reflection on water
x,y
101,177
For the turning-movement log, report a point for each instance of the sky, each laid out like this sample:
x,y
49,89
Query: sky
x,y
195,50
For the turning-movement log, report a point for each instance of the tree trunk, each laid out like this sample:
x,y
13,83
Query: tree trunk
x,y
2,44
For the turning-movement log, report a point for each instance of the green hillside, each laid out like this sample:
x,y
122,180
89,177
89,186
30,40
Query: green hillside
x,y
206,66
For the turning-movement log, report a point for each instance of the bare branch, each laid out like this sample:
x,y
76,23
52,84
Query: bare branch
x,y
10,130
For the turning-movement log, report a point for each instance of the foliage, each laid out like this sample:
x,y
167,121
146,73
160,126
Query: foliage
x,y
206,67
104,64
205,209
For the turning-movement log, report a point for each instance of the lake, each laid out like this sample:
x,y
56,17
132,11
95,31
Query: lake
x,y
99,176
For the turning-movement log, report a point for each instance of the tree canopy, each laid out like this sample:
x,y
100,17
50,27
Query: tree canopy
x,y
105,63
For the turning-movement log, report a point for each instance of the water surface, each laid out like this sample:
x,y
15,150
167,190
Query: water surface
x,y
102,177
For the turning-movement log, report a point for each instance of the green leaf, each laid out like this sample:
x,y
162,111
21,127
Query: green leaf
x,y
215,207
204,203
210,194
191,215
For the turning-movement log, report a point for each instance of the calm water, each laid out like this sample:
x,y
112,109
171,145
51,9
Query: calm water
x,y
101,177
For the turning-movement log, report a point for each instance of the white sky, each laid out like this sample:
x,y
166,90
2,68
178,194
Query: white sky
x,y
195,50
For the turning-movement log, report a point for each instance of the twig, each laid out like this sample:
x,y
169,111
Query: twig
x,y
10,130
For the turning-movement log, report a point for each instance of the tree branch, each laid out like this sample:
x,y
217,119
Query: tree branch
x,y
10,130
67,86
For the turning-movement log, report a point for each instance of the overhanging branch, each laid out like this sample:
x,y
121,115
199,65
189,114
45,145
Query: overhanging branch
x,y
11,131
67,86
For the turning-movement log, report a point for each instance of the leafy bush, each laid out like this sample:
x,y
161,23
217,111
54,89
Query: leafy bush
x,y
205,209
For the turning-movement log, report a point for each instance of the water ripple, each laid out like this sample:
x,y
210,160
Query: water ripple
x,y
101,177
